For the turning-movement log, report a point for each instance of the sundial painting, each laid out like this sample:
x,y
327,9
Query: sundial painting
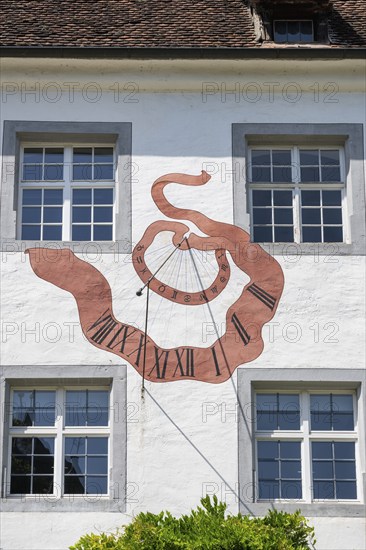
x,y
162,271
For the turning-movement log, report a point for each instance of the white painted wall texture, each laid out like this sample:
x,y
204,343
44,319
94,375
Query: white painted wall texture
x,y
173,454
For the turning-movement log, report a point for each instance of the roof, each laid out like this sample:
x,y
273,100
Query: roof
x,y
155,24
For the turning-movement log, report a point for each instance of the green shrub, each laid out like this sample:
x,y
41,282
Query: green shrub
x,y
207,528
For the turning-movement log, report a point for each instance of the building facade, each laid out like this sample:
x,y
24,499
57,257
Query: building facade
x,y
183,264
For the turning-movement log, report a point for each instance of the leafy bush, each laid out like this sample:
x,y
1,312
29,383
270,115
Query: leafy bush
x,y
207,528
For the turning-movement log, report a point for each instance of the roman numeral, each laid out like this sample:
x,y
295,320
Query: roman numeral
x,y
108,324
213,351
240,329
186,368
138,350
262,295
158,356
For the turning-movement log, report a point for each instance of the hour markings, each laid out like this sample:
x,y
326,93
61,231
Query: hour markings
x,y
240,329
262,295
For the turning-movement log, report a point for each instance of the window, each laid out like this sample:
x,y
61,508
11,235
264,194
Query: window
x,y
66,181
297,194
319,433
67,193
64,439
300,187
293,31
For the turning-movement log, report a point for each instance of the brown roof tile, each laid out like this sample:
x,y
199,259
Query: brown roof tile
x,y
154,23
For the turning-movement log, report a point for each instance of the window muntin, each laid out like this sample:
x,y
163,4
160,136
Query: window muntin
x,y
59,440
323,426
311,210
293,31
50,193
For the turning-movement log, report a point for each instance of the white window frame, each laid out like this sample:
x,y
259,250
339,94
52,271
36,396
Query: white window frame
x,y
67,184
61,378
306,436
296,186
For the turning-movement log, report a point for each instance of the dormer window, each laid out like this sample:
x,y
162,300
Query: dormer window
x,y
293,31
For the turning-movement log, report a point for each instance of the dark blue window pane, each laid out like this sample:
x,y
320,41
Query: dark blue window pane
x,y
22,446
331,173
82,172
77,398
268,469
75,465
291,490
321,421
103,154
293,31
98,398
31,232
311,235
306,30
280,31
345,470
333,234
266,420
261,174
82,154
32,196
82,196
262,234
261,157
261,198
282,198
289,420
75,445
290,449
343,421
267,449
103,214
97,465
81,214
310,174
321,449
102,232
33,154
323,469
52,215
74,485
281,157
44,417
31,214
54,155
97,416
103,172
53,196
309,157
310,215
97,445
323,490
344,450
52,232
290,469
81,233
332,215
53,172
262,215
330,157
269,490
282,174
75,416
342,403
332,198
346,489
283,215
96,485
32,172
23,399
44,445
310,198
284,234
103,196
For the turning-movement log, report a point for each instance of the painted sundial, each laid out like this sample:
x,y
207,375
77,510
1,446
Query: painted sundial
x,y
165,275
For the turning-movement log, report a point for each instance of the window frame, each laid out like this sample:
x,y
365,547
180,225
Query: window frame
x,y
296,186
302,20
272,380
348,136
65,378
116,134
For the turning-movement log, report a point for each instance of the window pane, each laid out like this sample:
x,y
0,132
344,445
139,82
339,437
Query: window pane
x,y
267,449
31,232
261,157
97,465
103,214
44,445
280,31
306,29
269,490
74,485
53,196
311,235
53,172
310,215
345,470
32,172
103,196
82,154
282,198
82,172
81,214
281,157
290,449
262,234
346,489
102,232
103,154
322,449
331,173
291,490
31,214
96,485
43,485
52,233
310,174
22,445
43,464
21,464
310,198
344,450
284,234
54,155
75,445
332,198
291,469
333,234
20,485
97,445
32,196
81,233
323,469
268,469
282,174
52,215
323,490
81,196
309,157
293,31
261,174
283,215
330,157
22,417
103,172
33,154
321,421
45,417
267,420
262,215
261,198
74,465
332,215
